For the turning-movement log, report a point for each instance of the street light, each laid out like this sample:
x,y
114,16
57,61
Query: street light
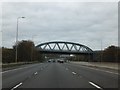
x,y
101,50
32,48
17,37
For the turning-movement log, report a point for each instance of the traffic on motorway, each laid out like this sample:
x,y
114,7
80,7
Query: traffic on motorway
x,y
58,73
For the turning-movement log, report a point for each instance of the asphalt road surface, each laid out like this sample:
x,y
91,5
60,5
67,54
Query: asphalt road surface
x,y
59,75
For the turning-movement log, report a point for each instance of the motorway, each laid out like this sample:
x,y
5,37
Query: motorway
x,y
59,75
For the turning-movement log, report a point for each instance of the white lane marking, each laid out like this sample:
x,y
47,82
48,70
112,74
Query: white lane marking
x,y
100,70
73,73
95,85
17,86
36,73
110,72
17,69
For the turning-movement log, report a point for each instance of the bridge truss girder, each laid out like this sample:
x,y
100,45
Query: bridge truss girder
x,y
60,47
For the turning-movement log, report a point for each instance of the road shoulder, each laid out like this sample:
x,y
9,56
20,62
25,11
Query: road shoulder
x,y
112,67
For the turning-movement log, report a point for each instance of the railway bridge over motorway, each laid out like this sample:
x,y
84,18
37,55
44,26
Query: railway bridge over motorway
x,y
60,75
61,47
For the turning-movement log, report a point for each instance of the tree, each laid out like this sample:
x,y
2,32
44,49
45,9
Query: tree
x,y
27,52
110,54
24,50
8,55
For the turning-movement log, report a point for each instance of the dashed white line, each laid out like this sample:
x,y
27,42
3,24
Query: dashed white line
x,y
17,86
73,73
100,70
95,85
36,73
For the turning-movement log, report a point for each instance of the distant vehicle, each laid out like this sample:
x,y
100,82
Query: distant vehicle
x,y
53,60
61,61
49,60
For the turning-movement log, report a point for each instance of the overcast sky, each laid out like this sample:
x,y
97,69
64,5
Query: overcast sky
x,y
87,23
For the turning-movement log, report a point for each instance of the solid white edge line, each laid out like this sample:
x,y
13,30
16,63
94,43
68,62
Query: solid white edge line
x,y
102,70
99,69
17,86
95,85
73,73
18,69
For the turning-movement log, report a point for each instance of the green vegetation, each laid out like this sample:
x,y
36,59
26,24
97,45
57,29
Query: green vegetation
x,y
110,54
26,53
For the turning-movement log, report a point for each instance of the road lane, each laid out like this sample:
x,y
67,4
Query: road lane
x,y
12,77
5,70
56,76
100,77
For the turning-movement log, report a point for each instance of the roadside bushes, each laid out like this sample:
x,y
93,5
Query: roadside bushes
x,y
8,55
111,54
26,53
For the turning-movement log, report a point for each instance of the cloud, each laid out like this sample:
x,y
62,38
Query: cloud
x,y
82,22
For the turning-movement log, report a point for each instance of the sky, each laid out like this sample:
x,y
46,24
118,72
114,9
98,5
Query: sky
x,y
94,24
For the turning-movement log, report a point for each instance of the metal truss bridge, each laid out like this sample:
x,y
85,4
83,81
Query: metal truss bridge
x,y
61,47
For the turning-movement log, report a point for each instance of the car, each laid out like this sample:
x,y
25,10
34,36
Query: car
x,y
61,61
53,60
49,60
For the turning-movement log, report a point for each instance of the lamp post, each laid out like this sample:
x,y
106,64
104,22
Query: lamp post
x,y
17,38
101,50
32,47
